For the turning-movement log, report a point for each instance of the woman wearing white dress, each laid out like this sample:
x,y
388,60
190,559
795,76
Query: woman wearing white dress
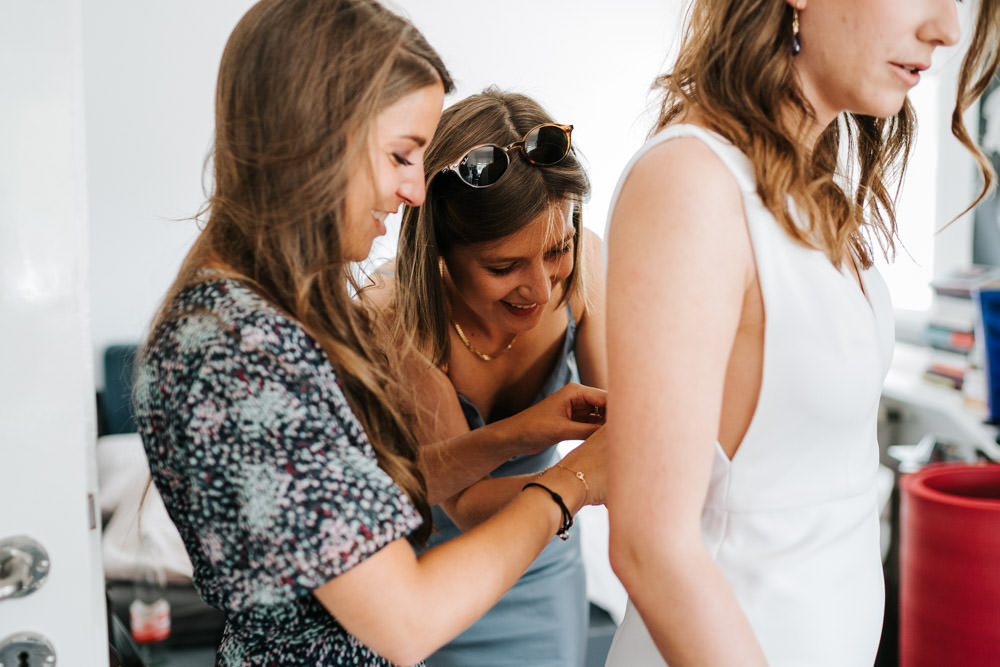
x,y
749,335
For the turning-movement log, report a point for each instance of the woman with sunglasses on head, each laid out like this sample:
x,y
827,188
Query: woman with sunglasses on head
x,y
500,288
744,518
277,431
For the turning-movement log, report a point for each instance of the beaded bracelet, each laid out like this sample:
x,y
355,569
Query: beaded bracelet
x,y
567,516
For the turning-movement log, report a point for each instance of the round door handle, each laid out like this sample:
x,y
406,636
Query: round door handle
x,y
24,566
15,572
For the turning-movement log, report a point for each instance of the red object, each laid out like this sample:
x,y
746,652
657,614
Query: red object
x,y
963,340
950,566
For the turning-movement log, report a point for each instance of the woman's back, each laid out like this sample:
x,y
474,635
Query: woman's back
x,y
791,519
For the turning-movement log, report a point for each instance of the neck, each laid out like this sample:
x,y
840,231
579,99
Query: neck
x,y
811,125
479,336
811,130
471,323
484,356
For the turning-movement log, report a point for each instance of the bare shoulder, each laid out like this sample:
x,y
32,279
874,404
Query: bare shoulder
x,y
591,247
592,265
681,190
680,212
680,173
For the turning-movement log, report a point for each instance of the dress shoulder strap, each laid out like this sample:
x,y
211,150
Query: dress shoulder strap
x,y
730,155
733,158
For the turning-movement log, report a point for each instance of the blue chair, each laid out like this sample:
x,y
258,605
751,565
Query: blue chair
x,y
119,369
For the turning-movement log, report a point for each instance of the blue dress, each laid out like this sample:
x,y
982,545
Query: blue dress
x,y
542,620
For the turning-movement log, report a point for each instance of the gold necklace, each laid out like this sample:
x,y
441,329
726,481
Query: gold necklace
x,y
481,355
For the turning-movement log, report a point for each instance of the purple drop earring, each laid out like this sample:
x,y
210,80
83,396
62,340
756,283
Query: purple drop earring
x,y
796,42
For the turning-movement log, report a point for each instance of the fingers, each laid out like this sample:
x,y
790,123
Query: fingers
x,y
587,412
587,416
587,404
581,392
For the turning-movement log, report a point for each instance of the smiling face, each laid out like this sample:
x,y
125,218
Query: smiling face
x,y
863,56
508,283
398,141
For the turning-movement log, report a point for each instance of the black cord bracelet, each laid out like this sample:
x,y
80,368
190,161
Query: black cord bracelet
x,y
567,516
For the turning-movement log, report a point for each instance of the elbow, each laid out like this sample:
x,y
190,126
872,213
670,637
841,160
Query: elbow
x,y
405,648
460,513
408,634
640,552
626,560
405,655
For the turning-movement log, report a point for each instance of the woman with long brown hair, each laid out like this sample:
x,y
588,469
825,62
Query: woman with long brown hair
x,y
749,334
500,289
277,430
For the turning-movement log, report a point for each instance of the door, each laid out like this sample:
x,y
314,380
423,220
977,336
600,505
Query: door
x,y
47,414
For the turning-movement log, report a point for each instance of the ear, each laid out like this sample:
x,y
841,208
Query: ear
x,y
797,4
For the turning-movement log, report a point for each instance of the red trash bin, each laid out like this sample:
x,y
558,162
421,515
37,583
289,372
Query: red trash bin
x,y
949,593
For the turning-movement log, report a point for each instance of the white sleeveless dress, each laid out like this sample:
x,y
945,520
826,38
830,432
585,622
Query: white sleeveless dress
x,y
792,519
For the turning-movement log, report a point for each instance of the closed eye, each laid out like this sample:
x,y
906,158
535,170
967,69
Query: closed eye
x,y
400,160
561,250
500,270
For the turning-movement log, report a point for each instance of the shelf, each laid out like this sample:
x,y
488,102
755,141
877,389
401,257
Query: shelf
x,y
961,420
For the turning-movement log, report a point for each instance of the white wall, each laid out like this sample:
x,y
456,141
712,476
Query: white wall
x,y
589,63
149,79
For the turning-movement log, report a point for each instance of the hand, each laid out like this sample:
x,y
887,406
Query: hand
x,y
590,458
572,413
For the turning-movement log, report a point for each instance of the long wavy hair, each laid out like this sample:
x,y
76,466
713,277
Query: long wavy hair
x,y
978,68
735,68
299,87
454,214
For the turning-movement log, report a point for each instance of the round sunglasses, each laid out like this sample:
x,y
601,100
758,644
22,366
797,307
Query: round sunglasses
x,y
484,165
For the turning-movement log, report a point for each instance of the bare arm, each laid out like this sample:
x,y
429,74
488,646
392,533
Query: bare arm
x,y
482,500
455,458
459,580
452,457
591,341
679,266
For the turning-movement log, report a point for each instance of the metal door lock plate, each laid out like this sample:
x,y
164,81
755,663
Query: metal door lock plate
x,y
26,649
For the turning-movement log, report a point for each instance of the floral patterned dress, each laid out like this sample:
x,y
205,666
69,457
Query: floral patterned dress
x,y
268,475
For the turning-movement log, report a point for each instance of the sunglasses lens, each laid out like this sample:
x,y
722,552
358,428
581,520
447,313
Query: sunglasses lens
x,y
483,166
546,145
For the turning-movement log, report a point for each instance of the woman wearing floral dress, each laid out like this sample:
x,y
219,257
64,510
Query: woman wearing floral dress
x,y
276,429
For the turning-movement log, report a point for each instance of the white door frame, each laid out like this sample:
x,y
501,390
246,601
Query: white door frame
x,y
48,477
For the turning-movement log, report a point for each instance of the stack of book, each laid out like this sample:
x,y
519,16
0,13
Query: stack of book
x,y
951,327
